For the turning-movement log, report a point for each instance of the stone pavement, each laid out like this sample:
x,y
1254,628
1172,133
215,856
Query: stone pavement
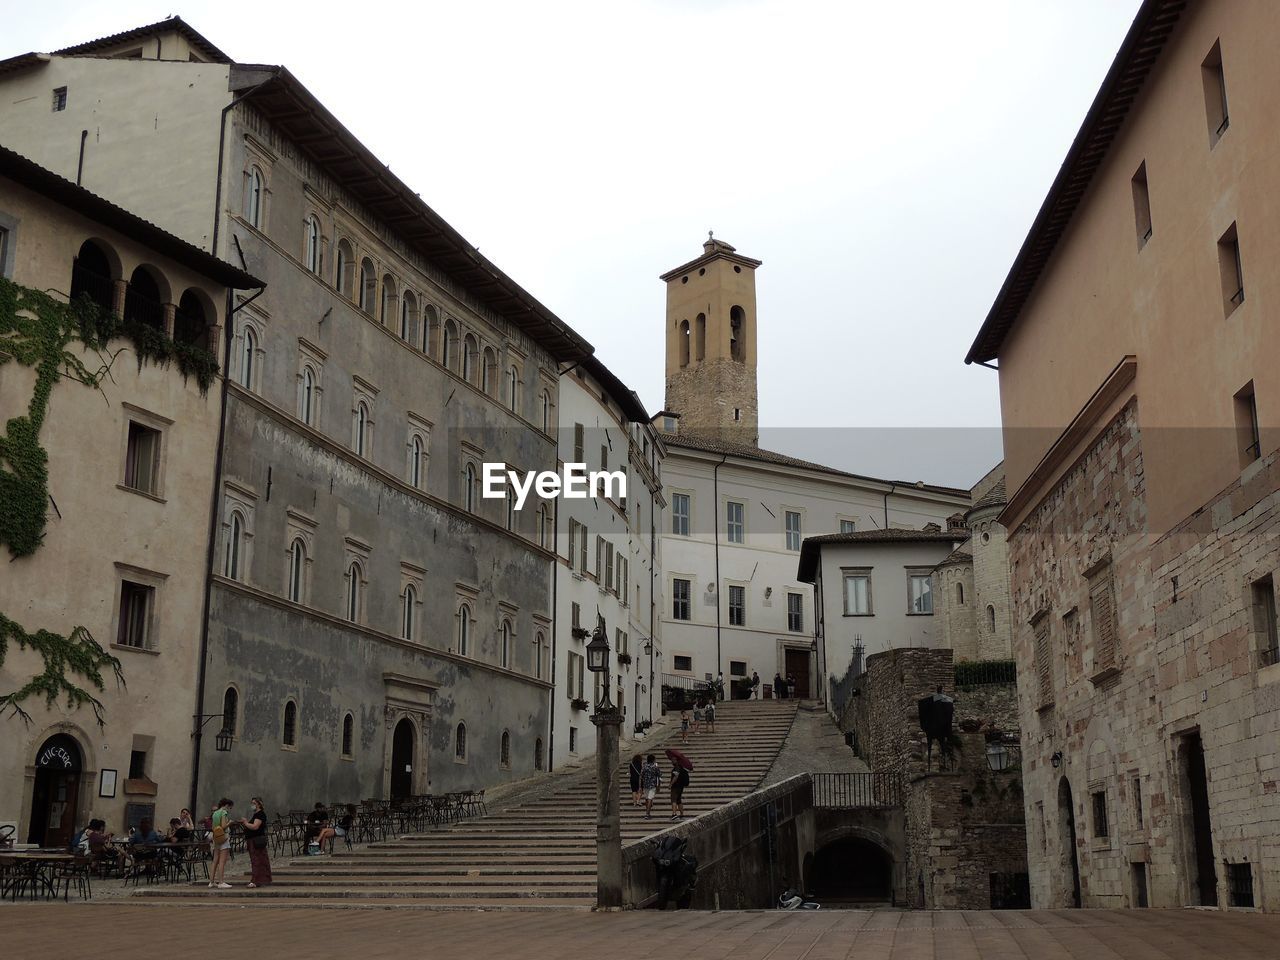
x,y
137,930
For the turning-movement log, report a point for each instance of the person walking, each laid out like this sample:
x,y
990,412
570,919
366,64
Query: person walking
x,y
697,716
679,780
633,772
650,781
221,843
791,684
755,685
710,715
684,726
779,687
255,841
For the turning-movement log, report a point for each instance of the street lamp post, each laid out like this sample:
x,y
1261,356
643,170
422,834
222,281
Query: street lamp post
x,y
608,722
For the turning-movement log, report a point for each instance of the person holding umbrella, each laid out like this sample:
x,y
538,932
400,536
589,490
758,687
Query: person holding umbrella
x,y
680,767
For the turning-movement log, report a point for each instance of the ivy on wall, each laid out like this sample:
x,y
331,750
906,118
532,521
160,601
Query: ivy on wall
x,y
40,331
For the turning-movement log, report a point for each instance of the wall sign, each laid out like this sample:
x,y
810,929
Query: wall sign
x,y
56,756
107,784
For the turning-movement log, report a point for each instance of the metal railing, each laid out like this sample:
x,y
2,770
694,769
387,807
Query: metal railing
x,y
977,673
852,791
678,682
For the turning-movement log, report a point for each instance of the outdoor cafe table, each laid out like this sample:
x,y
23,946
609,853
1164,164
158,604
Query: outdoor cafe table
x,y
36,868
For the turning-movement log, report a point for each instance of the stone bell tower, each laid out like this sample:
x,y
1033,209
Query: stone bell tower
x,y
711,344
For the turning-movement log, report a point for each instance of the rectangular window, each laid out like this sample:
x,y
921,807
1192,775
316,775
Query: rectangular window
x,y
621,582
683,664
579,444
600,545
848,526
1100,827
1264,621
1215,94
857,594
1249,439
135,614
1137,802
1142,205
583,537
609,583
604,456
737,668
573,739
576,615
735,525
680,600
737,606
1044,662
680,514
576,662
920,588
1240,884
1230,270
793,530
137,764
573,543
59,99
1102,614
795,612
142,458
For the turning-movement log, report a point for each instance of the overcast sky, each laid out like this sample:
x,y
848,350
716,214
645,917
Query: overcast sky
x,y
884,160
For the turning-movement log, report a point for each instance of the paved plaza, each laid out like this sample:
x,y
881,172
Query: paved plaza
x,y
105,931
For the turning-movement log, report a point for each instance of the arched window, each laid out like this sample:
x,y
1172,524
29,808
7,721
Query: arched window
x,y
539,644
544,526
684,343
960,593
289,735
191,321
297,569
409,318
407,601
307,396
546,411
430,330
505,756
464,630
489,371
233,563
460,742
388,301
700,337
343,268
504,633
248,349
509,513
991,618
360,429
449,352
230,710
348,735
311,252
537,754
417,454
355,590
737,333
513,389
368,286
253,198
469,488
469,350
93,276
144,300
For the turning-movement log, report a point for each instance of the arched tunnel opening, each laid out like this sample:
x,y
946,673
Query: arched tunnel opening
x,y
852,870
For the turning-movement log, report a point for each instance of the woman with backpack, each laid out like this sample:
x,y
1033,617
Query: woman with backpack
x,y
255,841
221,843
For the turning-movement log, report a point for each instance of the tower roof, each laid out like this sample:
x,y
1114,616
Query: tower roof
x,y
712,249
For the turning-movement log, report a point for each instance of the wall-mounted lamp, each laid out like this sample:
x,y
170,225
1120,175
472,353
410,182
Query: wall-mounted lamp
x,y
1056,759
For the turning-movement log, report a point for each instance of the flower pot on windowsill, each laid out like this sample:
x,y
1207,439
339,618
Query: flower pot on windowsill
x,y
580,633
579,704
624,658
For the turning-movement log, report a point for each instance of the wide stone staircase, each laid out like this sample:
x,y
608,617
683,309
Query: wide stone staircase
x,y
538,851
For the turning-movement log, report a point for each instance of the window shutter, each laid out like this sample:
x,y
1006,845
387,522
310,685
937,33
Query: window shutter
x,y
1102,610
1044,669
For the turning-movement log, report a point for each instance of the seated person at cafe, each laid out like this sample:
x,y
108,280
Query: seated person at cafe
x,y
177,832
345,823
147,838
318,828
100,847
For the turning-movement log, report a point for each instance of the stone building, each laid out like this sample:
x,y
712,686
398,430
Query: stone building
x,y
374,619
130,487
737,513
1135,349
971,595
607,559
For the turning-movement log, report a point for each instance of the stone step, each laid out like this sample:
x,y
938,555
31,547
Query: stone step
x,y
372,892
388,881
265,900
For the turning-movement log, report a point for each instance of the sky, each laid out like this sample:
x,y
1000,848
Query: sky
x,y
883,160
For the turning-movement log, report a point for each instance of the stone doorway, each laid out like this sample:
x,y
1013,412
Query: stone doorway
x,y
1068,853
797,665
852,870
407,714
1197,830
402,759
56,792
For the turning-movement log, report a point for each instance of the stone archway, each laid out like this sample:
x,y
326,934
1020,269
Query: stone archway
x,y
852,870
1068,878
58,785
407,735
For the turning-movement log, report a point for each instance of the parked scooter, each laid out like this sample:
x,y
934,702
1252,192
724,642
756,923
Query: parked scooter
x,y
794,900
677,872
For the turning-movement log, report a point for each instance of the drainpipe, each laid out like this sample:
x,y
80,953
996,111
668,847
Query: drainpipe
x,y
888,493
211,550
715,502
653,586
84,135
555,592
